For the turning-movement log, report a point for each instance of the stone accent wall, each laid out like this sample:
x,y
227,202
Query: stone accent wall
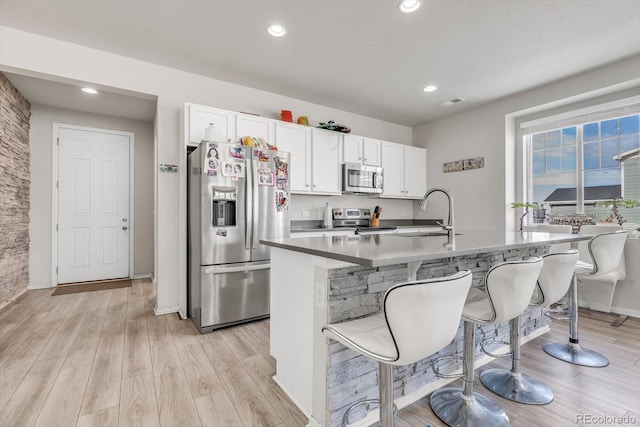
x,y
358,291
14,191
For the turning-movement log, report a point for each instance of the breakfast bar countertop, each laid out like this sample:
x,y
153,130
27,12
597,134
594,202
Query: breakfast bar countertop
x,y
386,249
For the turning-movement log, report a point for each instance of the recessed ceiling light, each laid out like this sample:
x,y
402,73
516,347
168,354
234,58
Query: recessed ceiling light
x,y
89,90
408,6
277,30
430,88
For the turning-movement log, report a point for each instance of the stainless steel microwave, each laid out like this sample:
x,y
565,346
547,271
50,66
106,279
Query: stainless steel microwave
x,y
357,178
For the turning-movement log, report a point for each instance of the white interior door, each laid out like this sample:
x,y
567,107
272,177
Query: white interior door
x,y
93,205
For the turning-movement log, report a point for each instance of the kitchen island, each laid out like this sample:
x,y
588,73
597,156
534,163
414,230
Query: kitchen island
x,y
320,280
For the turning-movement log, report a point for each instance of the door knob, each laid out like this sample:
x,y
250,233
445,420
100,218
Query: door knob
x,y
124,227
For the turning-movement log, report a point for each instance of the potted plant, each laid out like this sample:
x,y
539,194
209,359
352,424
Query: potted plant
x,y
615,206
526,206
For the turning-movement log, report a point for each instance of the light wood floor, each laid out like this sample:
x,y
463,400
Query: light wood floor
x,y
103,359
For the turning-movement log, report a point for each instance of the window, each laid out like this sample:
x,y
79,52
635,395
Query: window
x,y
572,167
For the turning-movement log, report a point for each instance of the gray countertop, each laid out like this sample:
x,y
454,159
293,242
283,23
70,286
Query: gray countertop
x,y
387,249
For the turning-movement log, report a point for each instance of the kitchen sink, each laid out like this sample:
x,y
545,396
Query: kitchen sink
x,y
423,234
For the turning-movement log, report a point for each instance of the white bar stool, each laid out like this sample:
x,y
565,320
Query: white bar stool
x,y
553,283
605,251
507,292
418,319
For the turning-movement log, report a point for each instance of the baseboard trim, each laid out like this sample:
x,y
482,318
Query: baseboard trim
x,y
12,298
159,311
142,276
33,287
291,396
411,398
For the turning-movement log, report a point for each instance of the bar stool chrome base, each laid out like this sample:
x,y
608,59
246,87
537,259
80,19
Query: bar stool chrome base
x,y
574,353
517,387
455,409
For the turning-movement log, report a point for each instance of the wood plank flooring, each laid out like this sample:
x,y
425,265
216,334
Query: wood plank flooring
x,y
104,359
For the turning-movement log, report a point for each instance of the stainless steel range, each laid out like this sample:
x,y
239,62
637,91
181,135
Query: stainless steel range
x,y
358,218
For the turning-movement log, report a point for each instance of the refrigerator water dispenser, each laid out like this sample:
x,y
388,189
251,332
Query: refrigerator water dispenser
x,y
224,207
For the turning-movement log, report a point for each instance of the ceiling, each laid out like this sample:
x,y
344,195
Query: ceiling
x,y
362,56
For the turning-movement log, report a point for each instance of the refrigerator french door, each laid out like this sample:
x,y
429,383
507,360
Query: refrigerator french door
x,y
237,196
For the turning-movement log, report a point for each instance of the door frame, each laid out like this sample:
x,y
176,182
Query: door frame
x,y
55,194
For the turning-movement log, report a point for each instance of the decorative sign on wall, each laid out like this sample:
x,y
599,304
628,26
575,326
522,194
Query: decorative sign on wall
x,y
461,165
168,168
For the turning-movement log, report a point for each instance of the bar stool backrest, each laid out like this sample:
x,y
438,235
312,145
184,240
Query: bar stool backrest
x,y
424,316
510,287
555,276
606,251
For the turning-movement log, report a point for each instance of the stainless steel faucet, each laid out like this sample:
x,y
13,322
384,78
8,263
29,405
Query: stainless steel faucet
x,y
450,224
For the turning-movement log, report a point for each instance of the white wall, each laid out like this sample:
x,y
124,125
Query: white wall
x,y
483,196
40,141
28,53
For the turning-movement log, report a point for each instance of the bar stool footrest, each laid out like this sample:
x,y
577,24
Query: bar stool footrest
x,y
485,343
356,405
435,367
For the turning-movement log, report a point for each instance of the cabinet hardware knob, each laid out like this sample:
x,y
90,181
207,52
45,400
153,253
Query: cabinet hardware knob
x,y
124,227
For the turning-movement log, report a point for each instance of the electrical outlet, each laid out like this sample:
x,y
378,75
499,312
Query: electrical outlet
x,y
305,213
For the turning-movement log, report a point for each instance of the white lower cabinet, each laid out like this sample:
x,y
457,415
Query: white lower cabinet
x,y
405,171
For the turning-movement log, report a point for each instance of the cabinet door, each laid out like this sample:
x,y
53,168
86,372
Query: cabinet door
x,y
325,162
371,152
200,117
297,141
352,149
393,169
259,127
415,172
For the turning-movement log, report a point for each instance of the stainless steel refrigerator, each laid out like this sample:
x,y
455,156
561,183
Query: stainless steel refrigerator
x,y
237,195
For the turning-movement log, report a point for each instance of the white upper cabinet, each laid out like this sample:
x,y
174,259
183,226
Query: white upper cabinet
x,y
405,171
358,149
297,141
393,169
325,162
415,172
259,127
199,117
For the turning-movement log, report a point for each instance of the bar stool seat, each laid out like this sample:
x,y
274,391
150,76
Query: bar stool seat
x,y
553,283
507,292
418,319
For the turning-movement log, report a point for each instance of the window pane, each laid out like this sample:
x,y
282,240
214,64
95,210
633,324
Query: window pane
x,y
556,190
553,160
602,177
590,132
553,139
608,149
609,128
569,159
630,124
629,142
539,162
569,136
539,141
591,155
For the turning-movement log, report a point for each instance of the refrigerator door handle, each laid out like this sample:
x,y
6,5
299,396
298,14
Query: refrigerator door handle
x,y
222,270
249,202
254,227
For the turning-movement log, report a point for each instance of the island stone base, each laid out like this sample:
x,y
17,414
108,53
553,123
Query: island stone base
x,y
357,291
